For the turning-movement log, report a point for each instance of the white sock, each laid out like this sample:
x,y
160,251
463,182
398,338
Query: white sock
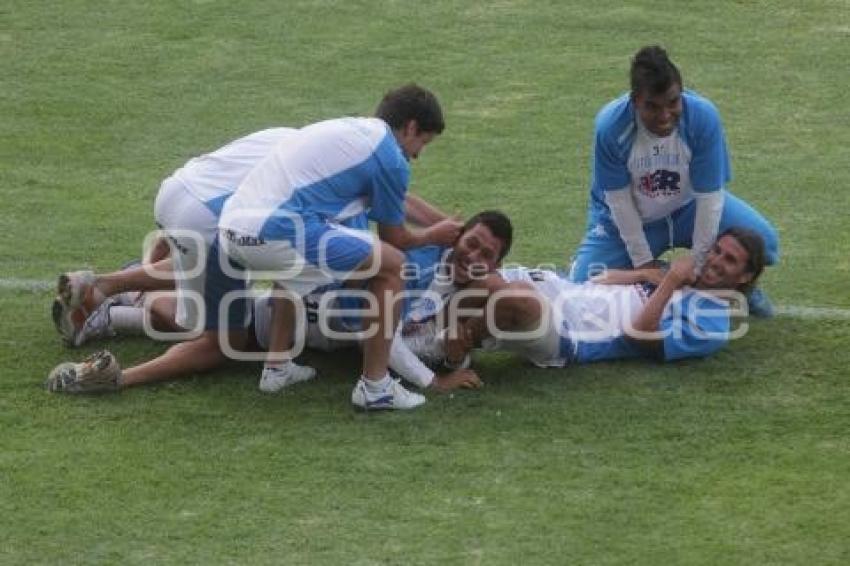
x,y
127,320
375,385
282,365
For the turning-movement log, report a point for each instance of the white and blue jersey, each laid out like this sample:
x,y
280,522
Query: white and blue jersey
x,y
662,173
214,176
428,285
591,319
333,170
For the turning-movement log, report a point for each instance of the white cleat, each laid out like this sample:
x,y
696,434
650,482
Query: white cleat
x,y
393,396
98,373
77,328
275,379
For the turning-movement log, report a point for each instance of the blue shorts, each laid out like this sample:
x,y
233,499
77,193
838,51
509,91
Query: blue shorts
x,y
217,285
603,248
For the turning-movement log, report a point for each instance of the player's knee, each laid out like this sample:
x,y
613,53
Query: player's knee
x,y
390,260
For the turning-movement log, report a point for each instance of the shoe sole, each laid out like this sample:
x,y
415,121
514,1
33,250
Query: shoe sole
x,y
68,322
381,408
99,361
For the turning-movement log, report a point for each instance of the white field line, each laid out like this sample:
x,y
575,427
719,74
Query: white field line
x,y
813,313
15,284
790,311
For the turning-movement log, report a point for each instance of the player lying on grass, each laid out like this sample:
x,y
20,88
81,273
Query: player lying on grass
x,y
664,314
190,202
433,274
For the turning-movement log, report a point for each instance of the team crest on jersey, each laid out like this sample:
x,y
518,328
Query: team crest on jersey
x,y
660,183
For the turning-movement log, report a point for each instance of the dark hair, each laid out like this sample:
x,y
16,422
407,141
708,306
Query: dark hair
x,y
411,102
751,241
653,72
499,224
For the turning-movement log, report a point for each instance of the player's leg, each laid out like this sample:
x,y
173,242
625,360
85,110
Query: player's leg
x,y
279,260
737,212
201,354
83,307
280,370
204,352
194,356
376,389
602,248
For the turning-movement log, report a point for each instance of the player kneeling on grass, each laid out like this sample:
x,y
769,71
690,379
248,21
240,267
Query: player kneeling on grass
x,y
652,312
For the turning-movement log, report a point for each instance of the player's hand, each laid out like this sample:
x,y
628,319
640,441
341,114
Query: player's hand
x,y
445,232
682,270
457,347
459,378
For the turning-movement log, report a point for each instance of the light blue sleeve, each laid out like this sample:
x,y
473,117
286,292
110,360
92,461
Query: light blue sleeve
x,y
389,185
709,168
695,326
610,170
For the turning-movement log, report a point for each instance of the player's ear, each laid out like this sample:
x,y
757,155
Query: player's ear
x,y
411,128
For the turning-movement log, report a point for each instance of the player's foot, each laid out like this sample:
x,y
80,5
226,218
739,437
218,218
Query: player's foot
x,y
76,328
759,303
77,288
275,378
393,395
98,373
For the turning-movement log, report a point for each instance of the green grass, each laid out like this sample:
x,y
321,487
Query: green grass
x,y
742,458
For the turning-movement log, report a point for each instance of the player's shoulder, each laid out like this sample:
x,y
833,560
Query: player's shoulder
x,y
615,119
698,111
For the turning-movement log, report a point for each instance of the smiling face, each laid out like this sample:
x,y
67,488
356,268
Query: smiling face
x,y
413,140
475,254
725,266
660,113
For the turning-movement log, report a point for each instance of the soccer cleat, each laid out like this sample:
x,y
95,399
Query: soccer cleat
x,y
98,373
276,378
393,396
759,304
76,328
76,288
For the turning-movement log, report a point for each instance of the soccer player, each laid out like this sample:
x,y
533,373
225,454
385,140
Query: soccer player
x,y
660,167
647,312
285,221
432,275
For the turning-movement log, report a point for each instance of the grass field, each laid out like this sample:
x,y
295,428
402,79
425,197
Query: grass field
x,y
739,459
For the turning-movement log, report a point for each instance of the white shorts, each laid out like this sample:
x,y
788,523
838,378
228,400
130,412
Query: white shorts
x,y
341,251
191,229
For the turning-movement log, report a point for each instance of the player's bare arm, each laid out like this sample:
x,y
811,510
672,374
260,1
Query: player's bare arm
x,y
422,213
442,233
644,328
